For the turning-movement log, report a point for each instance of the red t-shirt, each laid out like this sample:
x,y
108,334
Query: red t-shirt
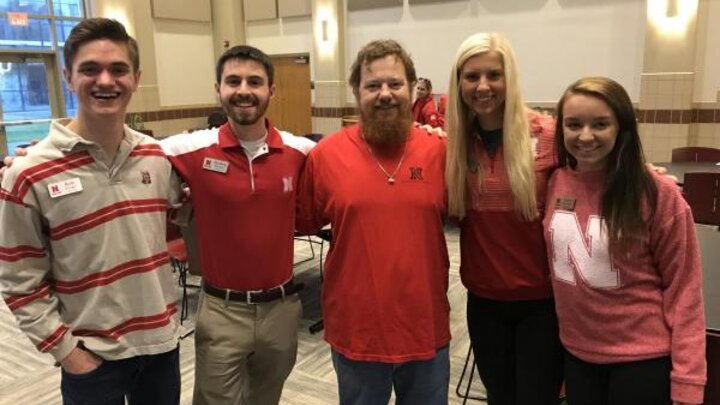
x,y
386,274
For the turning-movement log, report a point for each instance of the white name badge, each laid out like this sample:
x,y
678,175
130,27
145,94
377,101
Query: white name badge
x,y
215,165
65,187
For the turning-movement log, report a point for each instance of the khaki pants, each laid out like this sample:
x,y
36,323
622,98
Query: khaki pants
x,y
244,353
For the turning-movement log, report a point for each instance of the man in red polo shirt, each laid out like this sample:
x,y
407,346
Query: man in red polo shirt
x,y
381,186
243,178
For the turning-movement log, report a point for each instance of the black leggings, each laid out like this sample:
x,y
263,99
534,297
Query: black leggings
x,y
635,382
517,350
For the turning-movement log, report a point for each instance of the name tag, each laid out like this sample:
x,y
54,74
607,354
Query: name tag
x,y
565,204
215,165
65,187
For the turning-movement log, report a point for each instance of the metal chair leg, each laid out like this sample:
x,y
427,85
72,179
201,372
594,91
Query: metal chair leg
x,y
466,396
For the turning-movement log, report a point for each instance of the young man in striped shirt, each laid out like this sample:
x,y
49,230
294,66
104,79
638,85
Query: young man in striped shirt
x,y
83,258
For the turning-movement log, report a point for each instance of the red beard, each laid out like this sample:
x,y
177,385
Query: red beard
x,y
384,130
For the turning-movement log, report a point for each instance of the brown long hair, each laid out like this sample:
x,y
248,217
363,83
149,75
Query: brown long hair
x,y
630,196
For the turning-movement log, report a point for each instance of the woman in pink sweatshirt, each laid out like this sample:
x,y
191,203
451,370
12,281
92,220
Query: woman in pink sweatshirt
x,y
624,258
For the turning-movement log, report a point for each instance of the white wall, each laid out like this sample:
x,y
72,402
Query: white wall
x,y
707,65
185,62
556,41
281,36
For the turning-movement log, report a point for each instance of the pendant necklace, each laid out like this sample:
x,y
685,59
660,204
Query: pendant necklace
x,y
390,177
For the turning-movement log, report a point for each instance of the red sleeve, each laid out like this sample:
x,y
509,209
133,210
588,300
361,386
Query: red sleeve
x,y
430,114
677,256
308,220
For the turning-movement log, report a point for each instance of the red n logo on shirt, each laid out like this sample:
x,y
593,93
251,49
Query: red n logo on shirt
x,y
587,255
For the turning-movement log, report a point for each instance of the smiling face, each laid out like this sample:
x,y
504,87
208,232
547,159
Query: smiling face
x,y
244,91
590,129
384,100
482,87
384,91
103,78
422,90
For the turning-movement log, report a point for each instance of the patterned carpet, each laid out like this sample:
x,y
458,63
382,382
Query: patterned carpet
x,y
29,378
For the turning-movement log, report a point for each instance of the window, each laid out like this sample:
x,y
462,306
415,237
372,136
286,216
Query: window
x,y
31,87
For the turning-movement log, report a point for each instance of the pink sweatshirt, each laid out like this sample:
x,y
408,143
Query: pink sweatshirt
x,y
647,303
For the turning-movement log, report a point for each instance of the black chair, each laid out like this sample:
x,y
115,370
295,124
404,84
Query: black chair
x,y
702,192
216,119
179,263
469,362
325,235
712,388
314,137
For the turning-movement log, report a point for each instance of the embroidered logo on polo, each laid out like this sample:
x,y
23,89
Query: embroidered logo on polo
x,y
416,173
287,184
146,179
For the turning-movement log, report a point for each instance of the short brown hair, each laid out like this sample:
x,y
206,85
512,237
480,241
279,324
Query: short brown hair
x,y
245,52
94,29
377,50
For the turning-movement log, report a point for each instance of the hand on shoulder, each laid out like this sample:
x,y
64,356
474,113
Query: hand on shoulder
x,y
439,132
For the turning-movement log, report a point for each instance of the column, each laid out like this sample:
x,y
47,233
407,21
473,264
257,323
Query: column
x,y
667,81
329,66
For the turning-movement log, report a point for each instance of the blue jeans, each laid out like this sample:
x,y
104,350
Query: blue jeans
x,y
144,380
422,382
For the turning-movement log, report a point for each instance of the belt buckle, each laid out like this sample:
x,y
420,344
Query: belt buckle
x,y
248,294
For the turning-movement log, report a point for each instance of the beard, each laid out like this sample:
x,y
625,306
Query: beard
x,y
387,128
245,117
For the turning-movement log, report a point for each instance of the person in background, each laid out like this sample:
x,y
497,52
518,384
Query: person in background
x,y
424,111
500,156
624,258
216,119
83,260
442,108
381,186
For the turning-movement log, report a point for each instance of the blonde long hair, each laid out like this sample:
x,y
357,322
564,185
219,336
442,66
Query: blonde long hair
x,y
517,144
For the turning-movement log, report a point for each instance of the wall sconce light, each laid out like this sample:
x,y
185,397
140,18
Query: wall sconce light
x,y
325,36
672,17
325,33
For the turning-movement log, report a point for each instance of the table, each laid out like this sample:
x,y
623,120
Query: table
x,y
678,169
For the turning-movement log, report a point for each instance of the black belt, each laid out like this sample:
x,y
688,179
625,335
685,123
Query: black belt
x,y
254,297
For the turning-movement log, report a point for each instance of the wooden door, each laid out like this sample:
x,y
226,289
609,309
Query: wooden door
x,y
290,109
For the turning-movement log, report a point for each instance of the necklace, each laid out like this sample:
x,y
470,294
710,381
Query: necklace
x,y
390,177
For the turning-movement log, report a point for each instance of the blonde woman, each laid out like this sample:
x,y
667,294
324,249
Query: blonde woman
x,y
500,155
